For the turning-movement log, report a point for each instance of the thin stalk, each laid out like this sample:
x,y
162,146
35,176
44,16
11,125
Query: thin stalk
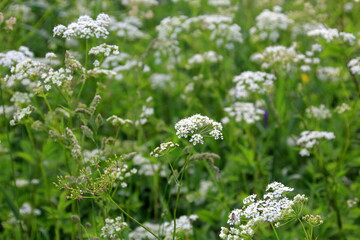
x,y
304,229
129,216
275,232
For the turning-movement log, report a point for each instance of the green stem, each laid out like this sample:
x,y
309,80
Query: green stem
x,y
303,227
128,215
276,234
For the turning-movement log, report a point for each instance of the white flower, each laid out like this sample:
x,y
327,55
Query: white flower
x,y
105,49
255,82
113,227
308,139
354,66
245,111
330,34
196,126
85,27
318,113
206,57
13,57
20,114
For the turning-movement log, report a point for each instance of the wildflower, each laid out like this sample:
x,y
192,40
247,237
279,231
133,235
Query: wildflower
x,y
328,73
245,111
352,202
318,113
330,34
12,57
196,127
105,49
20,114
254,82
270,23
313,220
85,27
354,66
113,227
308,139
163,149
148,168
342,108
159,80
206,57
272,208
117,121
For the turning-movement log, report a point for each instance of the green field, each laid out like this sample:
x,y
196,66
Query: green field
x,y
180,119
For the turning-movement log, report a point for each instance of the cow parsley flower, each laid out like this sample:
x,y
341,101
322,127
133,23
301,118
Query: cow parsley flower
x,y
20,114
12,57
206,57
272,208
197,127
85,27
331,34
320,112
245,111
113,227
354,66
328,73
269,24
342,108
308,139
254,82
105,49
164,148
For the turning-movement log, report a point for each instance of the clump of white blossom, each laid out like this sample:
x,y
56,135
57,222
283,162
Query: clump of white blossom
x,y
272,208
128,30
105,49
269,24
164,148
308,139
12,57
159,80
252,82
20,98
113,228
20,114
197,127
342,108
24,182
352,202
148,168
219,3
354,66
146,3
118,121
206,57
331,34
165,230
318,113
245,112
26,209
146,112
85,27
328,73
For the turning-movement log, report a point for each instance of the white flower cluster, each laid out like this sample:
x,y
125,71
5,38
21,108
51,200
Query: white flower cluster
x,y
85,27
159,80
245,111
219,3
113,227
331,34
196,127
20,114
126,30
286,57
24,182
274,207
328,73
146,3
117,121
254,82
146,112
56,77
206,57
165,230
26,209
20,98
121,172
13,57
270,23
147,168
308,139
354,66
105,49
221,29
342,108
163,149
318,113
